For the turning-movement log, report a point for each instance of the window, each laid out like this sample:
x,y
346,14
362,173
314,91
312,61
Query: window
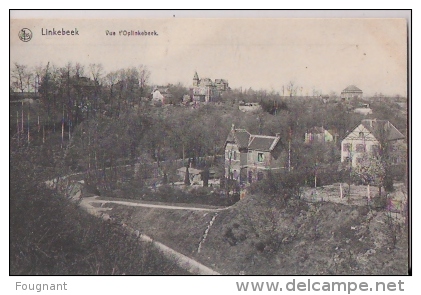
x,y
361,134
235,175
260,157
231,155
346,147
360,148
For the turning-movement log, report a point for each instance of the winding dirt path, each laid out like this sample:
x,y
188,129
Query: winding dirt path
x,y
94,199
183,261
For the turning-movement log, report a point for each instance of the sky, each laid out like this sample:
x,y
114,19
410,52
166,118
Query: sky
x,y
325,55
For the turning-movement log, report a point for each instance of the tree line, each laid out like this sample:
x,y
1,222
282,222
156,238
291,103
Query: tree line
x,y
106,120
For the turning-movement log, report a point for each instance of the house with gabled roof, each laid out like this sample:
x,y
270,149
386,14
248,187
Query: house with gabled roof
x,y
351,92
320,135
367,138
249,156
161,94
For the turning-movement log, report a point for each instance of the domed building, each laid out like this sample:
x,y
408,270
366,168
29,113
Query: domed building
x,y
351,92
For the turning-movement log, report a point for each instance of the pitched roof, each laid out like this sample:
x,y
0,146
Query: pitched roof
x,y
334,132
377,127
206,82
316,130
352,88
262,142
254,142
240,137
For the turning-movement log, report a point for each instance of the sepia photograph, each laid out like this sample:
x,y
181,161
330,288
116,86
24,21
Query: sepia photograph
x,y
172,144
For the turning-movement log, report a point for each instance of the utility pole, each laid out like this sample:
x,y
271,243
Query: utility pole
x,y
22,117
29,105
350,170
17,125
289,150
62,128
315,181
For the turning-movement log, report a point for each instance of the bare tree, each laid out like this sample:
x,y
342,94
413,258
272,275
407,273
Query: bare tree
x,y
96,71
144,75
292,89
111,80
19,77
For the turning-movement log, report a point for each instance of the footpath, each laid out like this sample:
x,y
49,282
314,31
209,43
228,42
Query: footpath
x,y
183,261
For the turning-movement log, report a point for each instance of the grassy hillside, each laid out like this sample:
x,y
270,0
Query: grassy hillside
x,y
49,235
262,235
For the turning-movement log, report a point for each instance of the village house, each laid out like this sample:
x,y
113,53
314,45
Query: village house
x,y
367,137
205,90
364,109
161,94
248,157
250,107
320,135
351,92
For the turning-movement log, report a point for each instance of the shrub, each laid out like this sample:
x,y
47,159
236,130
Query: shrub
x,y
379,202
388,183
398,172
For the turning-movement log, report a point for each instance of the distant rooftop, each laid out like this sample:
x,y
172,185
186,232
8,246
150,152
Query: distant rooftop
x,y
352,88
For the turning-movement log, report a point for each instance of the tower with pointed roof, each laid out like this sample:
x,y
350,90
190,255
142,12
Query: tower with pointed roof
x,y
196,79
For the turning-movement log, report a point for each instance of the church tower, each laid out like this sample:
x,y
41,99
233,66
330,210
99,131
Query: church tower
x,y
195,80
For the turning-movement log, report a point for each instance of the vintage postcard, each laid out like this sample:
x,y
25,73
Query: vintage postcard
x,y
173,144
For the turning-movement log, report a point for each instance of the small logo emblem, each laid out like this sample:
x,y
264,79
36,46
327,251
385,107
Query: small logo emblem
x,y
25,35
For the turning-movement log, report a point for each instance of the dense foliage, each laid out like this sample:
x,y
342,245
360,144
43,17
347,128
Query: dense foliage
x,y
50,235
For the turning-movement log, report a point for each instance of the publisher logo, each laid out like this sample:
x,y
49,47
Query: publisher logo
x,y
25,35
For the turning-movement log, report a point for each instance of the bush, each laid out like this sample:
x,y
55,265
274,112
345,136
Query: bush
x,y
388,183
379,202
398,172
170,194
